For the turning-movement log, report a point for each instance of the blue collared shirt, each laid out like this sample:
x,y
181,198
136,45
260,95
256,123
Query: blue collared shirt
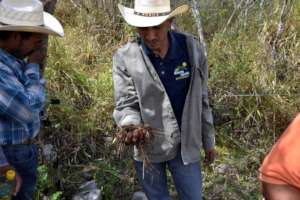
x,y
174,71
22,97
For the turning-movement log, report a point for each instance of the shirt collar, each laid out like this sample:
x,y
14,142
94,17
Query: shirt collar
x,y
173,52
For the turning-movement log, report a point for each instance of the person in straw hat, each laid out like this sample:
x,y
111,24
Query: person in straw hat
x,y
23,25
160,80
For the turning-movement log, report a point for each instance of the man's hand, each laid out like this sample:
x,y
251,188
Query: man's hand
x,y
210,156
138,136
37,56
18,179
135,135
132,137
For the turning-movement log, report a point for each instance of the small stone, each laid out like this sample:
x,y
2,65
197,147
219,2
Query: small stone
x,y
139,195
49,153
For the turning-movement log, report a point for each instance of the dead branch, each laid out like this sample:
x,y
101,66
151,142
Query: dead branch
x,y
281,27
197,16
236,8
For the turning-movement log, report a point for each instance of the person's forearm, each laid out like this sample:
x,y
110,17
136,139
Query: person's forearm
x,y
23,104
208,130
35,86
126,99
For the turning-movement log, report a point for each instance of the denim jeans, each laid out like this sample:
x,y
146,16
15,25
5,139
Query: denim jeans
x,y
187,179
24,159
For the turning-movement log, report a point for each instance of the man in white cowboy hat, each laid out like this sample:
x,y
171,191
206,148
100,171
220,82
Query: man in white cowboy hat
x,y
160,80
23,25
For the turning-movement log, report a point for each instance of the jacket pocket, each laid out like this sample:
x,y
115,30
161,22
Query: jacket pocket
x,y
200,72
160,145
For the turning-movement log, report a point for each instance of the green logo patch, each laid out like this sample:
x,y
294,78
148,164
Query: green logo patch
x,y
182,71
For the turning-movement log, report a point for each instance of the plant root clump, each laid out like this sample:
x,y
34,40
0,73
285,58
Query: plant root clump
x,y
134,135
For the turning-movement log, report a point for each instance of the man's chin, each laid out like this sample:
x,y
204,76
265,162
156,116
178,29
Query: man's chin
x,y
154,47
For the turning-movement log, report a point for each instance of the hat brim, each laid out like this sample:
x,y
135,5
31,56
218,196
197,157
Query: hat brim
x,y
51,26
144,21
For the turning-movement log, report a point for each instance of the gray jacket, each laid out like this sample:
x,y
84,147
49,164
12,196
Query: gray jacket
x,y
141,98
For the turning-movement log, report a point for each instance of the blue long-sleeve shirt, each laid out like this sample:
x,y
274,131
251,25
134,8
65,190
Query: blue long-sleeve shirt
x,y
22,97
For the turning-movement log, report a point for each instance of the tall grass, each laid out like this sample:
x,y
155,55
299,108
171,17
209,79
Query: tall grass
x,y
240,65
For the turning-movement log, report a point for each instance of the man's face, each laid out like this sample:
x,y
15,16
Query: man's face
x,y
26,45
155,37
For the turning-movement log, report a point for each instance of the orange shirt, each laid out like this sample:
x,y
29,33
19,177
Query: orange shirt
x,y
282,164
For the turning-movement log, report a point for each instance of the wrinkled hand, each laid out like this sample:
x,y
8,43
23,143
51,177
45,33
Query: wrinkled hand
x,y
210,156
18,179
137,136
37,56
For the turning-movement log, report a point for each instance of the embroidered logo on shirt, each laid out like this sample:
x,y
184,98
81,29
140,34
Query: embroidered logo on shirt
x,y
182,72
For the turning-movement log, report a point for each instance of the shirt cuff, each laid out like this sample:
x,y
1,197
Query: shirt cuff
x,y
33,70
130,120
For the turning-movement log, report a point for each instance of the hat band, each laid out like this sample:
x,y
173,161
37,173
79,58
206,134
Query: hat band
x,y
151,14
4,24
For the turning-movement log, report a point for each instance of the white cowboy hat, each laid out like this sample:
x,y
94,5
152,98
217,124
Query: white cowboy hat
x,y
28,16
147,13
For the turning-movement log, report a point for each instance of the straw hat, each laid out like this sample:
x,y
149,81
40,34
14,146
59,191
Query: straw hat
x,y
147,13
28,16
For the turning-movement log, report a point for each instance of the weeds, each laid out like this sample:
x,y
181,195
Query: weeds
x,y
253,96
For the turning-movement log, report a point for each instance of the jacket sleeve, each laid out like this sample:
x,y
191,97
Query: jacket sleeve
x,y
208,131
127,110
21,103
